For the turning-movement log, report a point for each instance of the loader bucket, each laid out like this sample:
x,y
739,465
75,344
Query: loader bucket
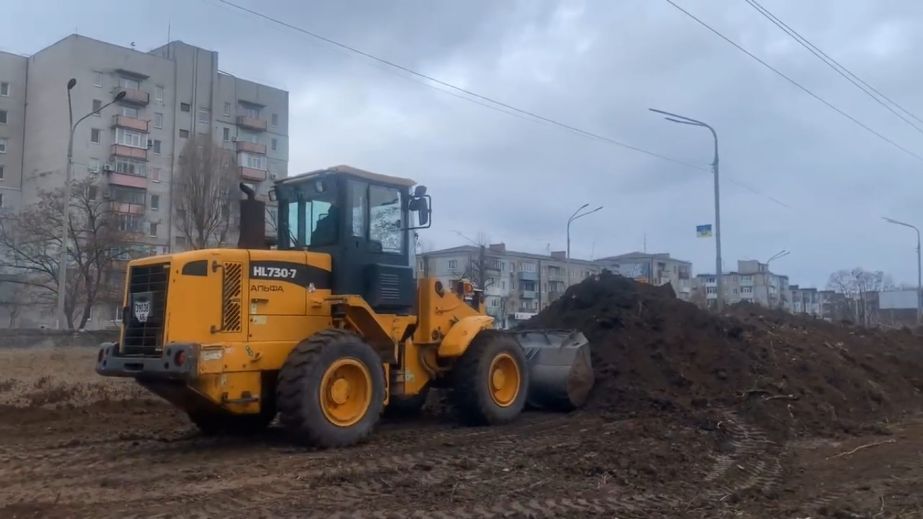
x,y
560,367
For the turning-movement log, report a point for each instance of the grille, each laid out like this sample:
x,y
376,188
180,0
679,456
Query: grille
x,y
145,315
230,298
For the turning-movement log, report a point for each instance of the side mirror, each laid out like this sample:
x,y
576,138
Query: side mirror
x,y
421,204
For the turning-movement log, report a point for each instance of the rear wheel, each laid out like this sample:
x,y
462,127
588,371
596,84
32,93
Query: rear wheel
x,y
331,388
490,381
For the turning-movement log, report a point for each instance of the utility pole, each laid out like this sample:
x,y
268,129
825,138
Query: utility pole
x,y
577,214
681,119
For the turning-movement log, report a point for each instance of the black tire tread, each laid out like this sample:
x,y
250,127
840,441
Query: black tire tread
x,y
473,408
294,378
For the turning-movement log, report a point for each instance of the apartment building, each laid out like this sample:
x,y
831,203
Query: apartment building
x,y
751,283
172,94
655,269
805,300
517,284
132,147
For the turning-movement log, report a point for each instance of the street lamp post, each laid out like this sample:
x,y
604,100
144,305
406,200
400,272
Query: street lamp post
x,y
577,214
778,255
681,119
919,269
68,175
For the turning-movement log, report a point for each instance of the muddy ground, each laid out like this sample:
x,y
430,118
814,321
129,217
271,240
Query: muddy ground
x,y
74,445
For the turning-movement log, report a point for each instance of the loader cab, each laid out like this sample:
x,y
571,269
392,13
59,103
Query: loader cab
x,y
363,221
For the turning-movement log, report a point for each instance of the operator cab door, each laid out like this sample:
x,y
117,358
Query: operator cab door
x,y
377,260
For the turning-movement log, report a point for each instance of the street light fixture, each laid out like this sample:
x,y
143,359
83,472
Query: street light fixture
x,y
778,255
919,270
68,175
682,119
577,215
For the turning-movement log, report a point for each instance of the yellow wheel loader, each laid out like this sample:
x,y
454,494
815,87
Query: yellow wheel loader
x,y
328,327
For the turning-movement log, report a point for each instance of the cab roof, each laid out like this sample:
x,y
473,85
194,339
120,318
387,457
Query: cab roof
x,y
351,171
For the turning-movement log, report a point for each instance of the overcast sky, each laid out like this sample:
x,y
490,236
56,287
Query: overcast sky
x,y
597,66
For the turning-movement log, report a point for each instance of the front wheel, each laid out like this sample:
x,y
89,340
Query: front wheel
x,y
491,379
331,390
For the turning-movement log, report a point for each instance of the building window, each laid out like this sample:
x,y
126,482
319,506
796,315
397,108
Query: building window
x,y
274,144
181,240
129,83
129,111
711,290
155,174
204,115
132,138
98,79
156,146
4,88
184,107
184,134
250,111
227,109
2,116
93,166
226,134
453,264
1,171
127,195
91,192
2,145
1,199
158,93
158,120
130,223
249,160
746,290
155,203
131,167
153,229
97,105
275,119
94,135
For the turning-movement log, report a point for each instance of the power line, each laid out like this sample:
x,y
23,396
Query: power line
x,y
838,67
795,83
486,101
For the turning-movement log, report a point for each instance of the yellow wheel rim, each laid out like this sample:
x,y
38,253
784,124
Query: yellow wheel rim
x,y
505,379
346,392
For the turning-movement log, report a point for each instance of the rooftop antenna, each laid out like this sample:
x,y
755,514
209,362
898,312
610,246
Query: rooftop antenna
x,y
169,27
644,243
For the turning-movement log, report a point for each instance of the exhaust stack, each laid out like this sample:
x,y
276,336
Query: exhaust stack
x,y
252,221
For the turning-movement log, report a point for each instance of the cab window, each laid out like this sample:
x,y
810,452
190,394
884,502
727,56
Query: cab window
x,y
385,226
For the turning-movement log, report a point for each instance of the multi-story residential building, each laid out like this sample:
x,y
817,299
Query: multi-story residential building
x,y
172,94
805,301
656,269
517,285
751,283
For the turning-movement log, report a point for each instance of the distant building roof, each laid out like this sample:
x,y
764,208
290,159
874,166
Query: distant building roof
x,y
641,255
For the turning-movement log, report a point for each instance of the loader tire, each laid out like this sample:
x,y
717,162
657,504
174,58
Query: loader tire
x,y
330,390
490,381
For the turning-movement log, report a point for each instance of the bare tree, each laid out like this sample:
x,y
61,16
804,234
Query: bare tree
x,y
204,189
859,286
31,244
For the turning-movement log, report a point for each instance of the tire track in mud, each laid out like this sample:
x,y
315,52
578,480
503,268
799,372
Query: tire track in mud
x,y
753,463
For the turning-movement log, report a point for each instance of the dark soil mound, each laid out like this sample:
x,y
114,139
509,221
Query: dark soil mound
x,y
790,374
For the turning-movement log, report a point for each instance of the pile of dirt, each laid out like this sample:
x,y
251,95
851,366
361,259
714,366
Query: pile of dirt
x,y
790,374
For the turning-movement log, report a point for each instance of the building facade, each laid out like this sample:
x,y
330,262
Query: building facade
x,y
805,301
132,148
751,283
656,269
517,285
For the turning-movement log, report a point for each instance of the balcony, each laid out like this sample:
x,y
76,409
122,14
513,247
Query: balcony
x,y
256,175
127,207
120,150
527,294
251,147
251,123
136,97
528,276
123,121
122,179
